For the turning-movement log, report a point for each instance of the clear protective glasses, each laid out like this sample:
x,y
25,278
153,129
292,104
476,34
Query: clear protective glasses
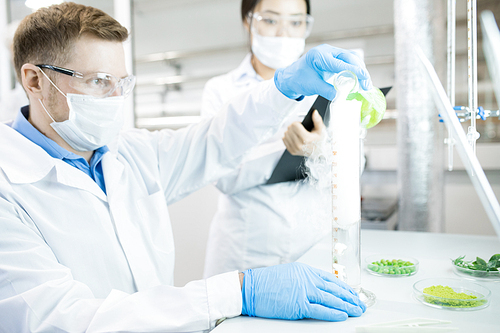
x,y
99,85
269,24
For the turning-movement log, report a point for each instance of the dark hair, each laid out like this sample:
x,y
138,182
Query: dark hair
x,y
247,7
47,35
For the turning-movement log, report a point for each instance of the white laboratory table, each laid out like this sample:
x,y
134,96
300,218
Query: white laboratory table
x,y
395,295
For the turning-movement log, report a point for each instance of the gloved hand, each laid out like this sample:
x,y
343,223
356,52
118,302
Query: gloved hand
x,y
307,76
296,291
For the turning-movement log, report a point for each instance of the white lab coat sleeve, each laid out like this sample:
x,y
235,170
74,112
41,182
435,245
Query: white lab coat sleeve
x,y
211,100
192,308
193,157
250,173
38,294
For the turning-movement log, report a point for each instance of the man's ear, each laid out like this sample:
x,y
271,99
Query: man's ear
x,y
31,79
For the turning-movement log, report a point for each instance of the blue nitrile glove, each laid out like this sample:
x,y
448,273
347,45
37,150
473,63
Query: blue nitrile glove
x,y
307,76
296,291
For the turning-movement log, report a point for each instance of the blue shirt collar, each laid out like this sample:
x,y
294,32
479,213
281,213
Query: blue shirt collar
x,y
23,126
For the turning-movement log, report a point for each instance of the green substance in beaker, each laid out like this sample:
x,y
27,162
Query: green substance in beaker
x,y
373,106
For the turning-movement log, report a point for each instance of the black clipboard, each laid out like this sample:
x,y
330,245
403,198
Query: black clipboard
x,y
385,90
290,167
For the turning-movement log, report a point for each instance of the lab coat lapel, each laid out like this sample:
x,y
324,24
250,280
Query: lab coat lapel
x,y
71,176
22,161
26,162
113,171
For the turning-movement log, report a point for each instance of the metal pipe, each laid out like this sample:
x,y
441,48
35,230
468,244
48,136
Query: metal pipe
x,y
451,21
420,141
472,134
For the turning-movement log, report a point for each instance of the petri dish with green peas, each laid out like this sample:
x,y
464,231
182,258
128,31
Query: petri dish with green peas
x,y
391,265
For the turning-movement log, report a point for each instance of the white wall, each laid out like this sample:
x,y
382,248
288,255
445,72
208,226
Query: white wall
x,y
191,219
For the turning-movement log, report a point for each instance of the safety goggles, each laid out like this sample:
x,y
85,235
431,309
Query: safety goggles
x,y
99,85
275,25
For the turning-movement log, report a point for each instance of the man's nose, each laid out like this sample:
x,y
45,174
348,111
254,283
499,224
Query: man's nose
x,y
117,92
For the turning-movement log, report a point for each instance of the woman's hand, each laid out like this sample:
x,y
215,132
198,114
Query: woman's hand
x,y
301,142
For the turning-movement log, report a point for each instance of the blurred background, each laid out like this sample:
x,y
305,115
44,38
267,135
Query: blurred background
x,y
177,45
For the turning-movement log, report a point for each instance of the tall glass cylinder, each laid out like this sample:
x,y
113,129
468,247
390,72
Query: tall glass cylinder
x,y
344,133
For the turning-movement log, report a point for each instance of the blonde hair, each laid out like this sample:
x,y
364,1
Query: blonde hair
x,y
47,36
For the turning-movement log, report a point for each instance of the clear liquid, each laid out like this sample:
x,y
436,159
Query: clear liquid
x,y
346,254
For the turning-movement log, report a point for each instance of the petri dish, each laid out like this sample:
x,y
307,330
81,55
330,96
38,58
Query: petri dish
x,y
388,265
475,275
468,288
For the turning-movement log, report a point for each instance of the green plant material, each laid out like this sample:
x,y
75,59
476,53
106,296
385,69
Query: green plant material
x,y
373,105
458,260
479,264
446,296
494,263
392,267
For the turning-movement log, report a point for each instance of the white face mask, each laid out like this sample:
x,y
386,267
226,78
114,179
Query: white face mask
x,y
93,122
277,52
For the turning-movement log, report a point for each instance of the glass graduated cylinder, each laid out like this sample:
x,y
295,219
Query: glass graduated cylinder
x,y
345,132
345,194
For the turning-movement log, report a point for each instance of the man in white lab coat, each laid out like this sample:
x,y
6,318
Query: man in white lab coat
x,y
85,237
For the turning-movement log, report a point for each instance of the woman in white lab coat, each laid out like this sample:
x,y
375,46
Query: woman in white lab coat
x,y
256,224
